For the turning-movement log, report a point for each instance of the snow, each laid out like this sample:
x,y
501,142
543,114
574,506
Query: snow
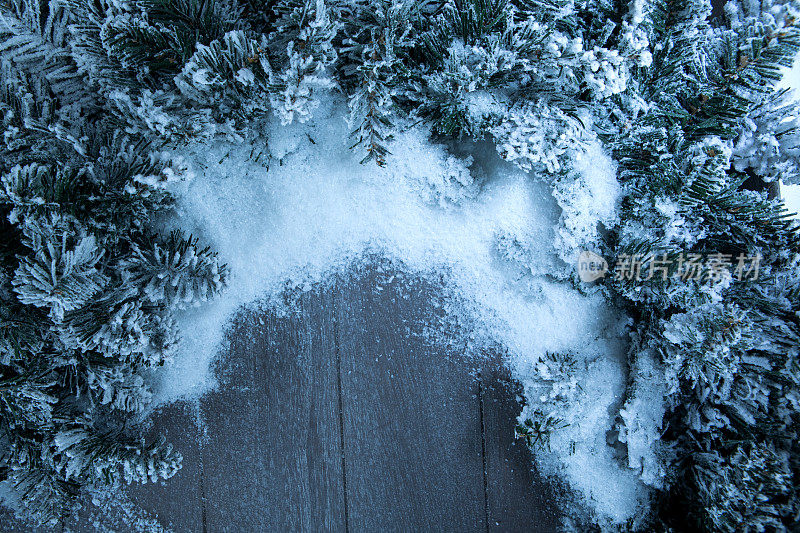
x,y
791,80
289,207
642,417
582,448
588,201
791,197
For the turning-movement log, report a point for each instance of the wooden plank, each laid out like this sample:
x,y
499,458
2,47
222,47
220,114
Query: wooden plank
x,y
10,523
171,505
412,433
359,368
176,504
718,10
519,499
272,461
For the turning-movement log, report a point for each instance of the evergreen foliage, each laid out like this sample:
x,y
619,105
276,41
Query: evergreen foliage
x,y
87,288
728,348
94,91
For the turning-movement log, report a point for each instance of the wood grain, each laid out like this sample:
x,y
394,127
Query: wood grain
x,y
519,499
176,503
355,411
272,461
411,412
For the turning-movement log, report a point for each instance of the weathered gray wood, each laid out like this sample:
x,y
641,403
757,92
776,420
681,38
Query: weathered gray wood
x,y
173,505
353,412
412,430
272,461
519,499
176,503
10,523
7,521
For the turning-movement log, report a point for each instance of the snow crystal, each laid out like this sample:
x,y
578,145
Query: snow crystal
x,y
791,77
641,419
580,451
294,205
791,80
202,77
245,76
588,201
791,197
